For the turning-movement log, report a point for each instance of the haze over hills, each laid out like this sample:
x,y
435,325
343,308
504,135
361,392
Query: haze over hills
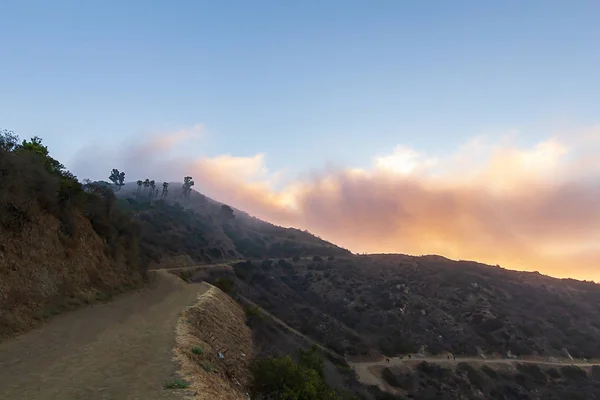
x,y
533,208
315,200
97,240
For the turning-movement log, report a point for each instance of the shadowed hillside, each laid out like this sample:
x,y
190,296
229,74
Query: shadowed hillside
x,y
395,304
60,246
197,226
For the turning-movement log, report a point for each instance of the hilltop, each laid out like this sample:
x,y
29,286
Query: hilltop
x,y
205,230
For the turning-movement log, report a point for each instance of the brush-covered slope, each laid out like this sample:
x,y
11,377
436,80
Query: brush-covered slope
x,y
396,304
60,246
206,230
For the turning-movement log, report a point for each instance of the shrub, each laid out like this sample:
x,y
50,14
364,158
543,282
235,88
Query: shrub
x,y
207,366
281,378
176,384
253,315
489,371
389,376
573,373
595,372
197,350
533,371
553,373
225,284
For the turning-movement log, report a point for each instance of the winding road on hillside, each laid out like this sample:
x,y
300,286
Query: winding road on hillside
x,y
366,374
119,350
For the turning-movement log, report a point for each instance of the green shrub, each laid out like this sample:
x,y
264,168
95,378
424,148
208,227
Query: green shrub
x,y
253,315
225,284
281,378
197,350
176,384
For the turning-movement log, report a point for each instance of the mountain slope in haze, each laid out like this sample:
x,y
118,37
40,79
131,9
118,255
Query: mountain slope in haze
x,y
206,230
378,304
398,304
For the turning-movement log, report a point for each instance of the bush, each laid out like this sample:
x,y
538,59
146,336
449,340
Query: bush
x,y
281,378
573,373
389,376
253,315
225,284
489,372
533,371
177,384
553,373
596,372
207,366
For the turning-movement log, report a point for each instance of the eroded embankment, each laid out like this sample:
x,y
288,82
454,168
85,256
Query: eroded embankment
x,y
43,272
215,325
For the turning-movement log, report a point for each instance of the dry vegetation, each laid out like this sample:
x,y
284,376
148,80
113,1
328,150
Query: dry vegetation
x,y
63,244
493,381
60,246
398,304
215,324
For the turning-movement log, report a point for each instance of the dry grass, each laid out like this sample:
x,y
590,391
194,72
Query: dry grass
x,y
214,324
43,273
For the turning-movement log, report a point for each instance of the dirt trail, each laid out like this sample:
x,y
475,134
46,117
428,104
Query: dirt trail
x,y
367,375
118,350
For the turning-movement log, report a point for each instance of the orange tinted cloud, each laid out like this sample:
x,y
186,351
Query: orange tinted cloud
x,y
534,208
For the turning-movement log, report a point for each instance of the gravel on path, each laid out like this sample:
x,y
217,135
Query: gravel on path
x,y
119,350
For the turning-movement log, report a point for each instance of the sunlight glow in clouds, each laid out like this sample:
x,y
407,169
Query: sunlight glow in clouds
x,y
535,208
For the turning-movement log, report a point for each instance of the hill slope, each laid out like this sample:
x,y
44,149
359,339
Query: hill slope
x,y
206,230
60,247
395,304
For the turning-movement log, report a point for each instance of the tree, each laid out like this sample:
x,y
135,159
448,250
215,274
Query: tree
x,y
35,146
281,378
187,185
152,188
8,140
165,190
87,185
117,178
139,186
146,185
226,213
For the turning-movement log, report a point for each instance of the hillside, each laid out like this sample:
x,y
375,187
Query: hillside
x,y
197,226
64,244
481,381
396,304
60,246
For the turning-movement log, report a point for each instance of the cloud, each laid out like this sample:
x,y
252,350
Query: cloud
x,y
169,140
533,208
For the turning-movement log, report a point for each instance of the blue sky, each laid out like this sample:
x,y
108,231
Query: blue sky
x,y
309,83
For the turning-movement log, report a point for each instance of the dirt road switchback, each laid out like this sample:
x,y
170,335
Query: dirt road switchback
x,y
113,351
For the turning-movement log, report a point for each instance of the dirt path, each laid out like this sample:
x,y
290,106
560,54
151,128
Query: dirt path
x,y
365,370
118,350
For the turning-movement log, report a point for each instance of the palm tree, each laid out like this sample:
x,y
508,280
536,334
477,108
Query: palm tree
x,y
139,188
165,190
152,188
146,184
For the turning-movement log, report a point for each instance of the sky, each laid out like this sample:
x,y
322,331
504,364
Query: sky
x,y
469,129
